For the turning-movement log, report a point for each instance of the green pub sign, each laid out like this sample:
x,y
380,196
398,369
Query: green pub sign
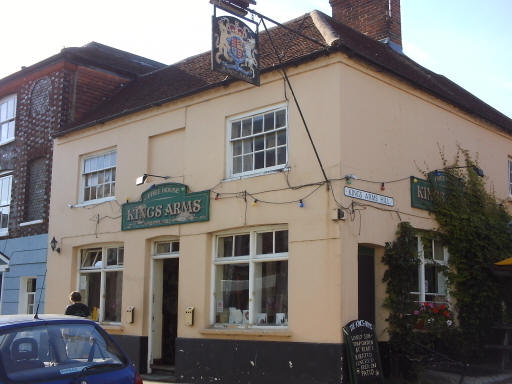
x,y
166,204
422,190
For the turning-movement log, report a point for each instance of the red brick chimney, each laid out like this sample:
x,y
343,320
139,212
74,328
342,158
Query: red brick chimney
x,y
378,19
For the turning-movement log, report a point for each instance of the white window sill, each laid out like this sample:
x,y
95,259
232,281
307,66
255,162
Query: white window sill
x,y
262,173
4,233
6,141
112,327
93,202
237,331
33,222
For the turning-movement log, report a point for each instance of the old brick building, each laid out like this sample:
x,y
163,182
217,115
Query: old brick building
x,y
35,103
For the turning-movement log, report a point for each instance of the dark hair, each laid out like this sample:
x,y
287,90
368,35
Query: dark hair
x,y
75,296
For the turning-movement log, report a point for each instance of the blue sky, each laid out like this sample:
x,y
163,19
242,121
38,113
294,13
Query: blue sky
x,y
468,41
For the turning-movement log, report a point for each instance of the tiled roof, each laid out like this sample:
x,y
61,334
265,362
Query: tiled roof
x,y
402,66
194,74
108,57
98,55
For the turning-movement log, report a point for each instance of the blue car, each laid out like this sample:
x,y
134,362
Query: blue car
x,y
60,350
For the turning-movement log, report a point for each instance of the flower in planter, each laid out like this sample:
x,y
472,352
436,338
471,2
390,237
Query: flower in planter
x,y
432,317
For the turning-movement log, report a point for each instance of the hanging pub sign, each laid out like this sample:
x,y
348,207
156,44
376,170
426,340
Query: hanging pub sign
x,y
166,204
362,353
235,49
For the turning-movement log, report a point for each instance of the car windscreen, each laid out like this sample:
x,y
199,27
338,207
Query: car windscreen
x,y
53,351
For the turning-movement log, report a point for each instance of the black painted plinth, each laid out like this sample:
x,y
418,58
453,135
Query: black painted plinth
x,y
254,362
136,347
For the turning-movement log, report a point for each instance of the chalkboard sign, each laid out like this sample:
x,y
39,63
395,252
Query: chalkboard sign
x,y
362,352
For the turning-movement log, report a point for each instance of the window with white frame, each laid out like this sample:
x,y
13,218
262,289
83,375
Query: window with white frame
x,y
99,176
251,278
4,265
167,248
431,280
5,203
510,177
27,299
101,282
7,118
258,142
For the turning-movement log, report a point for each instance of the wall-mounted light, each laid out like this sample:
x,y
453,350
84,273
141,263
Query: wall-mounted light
x,y
142,179
54,244
349,178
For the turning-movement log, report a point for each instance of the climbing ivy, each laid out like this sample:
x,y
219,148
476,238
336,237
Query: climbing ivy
x,y
473,224
402,261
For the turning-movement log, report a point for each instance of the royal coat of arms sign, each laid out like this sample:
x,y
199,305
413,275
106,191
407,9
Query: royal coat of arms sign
x,y
235,49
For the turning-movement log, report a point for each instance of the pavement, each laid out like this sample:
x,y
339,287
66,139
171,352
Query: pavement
x,y
437,377
428,376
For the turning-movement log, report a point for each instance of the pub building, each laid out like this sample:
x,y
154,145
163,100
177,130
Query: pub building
x,y
207,231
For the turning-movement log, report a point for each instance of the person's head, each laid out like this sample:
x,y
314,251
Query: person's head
x,y
75,296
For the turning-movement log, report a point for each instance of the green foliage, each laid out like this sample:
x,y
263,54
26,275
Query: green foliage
x,y
473,226
401,259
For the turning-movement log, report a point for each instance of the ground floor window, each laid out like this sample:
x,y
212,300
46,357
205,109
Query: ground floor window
x,y
431,280
251,278
27,299
4,264
101,282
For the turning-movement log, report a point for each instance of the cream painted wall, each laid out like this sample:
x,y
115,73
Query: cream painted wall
x,y
362,123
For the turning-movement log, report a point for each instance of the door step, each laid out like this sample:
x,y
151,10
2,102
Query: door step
x,y
162,368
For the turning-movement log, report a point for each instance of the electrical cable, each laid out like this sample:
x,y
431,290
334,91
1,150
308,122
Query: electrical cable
x,y
398,212
219,195
286,202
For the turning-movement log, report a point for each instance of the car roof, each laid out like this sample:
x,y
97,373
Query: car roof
x,y
27,319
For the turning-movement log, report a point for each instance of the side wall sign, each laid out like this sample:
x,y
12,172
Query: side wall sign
x,y
235,49
422,191
369,196
166,204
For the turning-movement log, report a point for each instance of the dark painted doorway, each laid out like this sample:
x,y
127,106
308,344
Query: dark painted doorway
x,y
366,283
169,312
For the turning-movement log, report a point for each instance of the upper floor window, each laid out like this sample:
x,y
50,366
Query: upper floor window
x,y
99,176
7,118
431,280
5,203
258,142
251,278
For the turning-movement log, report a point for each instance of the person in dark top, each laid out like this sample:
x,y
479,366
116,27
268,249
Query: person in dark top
x,y
77,308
